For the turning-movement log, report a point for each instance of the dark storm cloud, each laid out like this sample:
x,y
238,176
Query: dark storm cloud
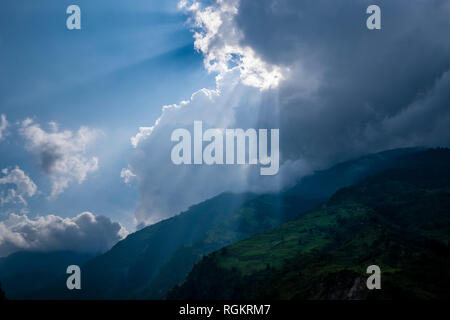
x,y
368,82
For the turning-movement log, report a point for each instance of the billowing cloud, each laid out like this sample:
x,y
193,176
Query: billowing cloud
x,y
16,186
84,233
218,38
166,188
143,133
367,82
335,89
61,154
3,125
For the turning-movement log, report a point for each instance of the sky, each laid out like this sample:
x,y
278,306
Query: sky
x,y
87,115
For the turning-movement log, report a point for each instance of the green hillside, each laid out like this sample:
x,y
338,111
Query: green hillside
x,y
398,219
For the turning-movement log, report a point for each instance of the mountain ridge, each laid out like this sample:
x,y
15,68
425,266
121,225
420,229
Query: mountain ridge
x,y
398,219
152,260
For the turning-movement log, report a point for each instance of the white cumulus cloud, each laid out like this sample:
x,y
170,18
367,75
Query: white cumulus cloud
x,y
61,154
83,233
127,175
16,186
219,39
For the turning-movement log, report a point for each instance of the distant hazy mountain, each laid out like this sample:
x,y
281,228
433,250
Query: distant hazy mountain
x,y
398,219
151,261
24,275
